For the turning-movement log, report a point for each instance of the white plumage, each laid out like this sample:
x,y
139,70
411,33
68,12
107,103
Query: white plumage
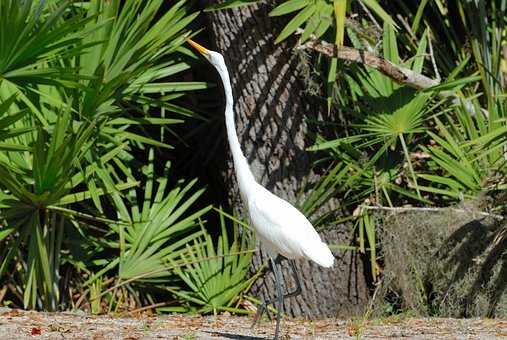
x,y
284,230
279,226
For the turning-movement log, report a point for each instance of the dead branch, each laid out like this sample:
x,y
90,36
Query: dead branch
x,y
398,73
432,209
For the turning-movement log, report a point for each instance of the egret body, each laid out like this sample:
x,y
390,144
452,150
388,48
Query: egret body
x,y
280,227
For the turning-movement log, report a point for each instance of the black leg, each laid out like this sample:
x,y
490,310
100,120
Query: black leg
x,y
278,279
279,295
297,279
279,259
264,306
260,310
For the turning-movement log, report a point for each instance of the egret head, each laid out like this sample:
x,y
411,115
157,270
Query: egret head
x,y
215,58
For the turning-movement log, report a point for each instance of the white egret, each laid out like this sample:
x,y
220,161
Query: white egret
x,y
281,228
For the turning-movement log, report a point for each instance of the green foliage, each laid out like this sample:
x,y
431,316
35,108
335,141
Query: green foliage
x,y
34,181
315,15
79,81
318,17
217,275
387,122
155,233
437,147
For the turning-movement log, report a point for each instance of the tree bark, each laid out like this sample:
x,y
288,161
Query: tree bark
x,y
271,108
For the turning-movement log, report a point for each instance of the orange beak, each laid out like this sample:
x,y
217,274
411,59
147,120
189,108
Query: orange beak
x,y
198,47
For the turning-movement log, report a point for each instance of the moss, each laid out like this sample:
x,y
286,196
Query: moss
x,y
448,264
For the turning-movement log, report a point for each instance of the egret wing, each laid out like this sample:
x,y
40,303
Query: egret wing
x,y
285,230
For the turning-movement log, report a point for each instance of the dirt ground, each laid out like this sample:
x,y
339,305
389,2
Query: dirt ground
x,y
15,324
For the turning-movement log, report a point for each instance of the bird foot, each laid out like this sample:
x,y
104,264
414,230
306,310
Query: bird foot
x,y
263,308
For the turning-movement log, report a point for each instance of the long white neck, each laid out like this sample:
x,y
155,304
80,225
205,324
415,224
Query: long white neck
x,y
246,180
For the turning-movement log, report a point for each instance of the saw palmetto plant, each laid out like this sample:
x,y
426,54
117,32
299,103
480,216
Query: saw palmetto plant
x,y
80,82
428,148
217,284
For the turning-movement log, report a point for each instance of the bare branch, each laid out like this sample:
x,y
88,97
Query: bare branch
x,y
398,73
430,209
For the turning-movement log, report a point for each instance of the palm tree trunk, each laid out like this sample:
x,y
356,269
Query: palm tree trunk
x,y
271,108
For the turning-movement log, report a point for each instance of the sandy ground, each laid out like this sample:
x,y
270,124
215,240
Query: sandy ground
x,y
15,324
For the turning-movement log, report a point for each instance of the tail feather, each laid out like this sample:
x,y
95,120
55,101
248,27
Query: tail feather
x,y
320,254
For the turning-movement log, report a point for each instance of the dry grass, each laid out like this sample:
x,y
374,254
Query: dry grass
x,y
444,264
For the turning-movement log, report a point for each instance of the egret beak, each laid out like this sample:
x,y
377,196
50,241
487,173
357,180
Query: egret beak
x,y
198,47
